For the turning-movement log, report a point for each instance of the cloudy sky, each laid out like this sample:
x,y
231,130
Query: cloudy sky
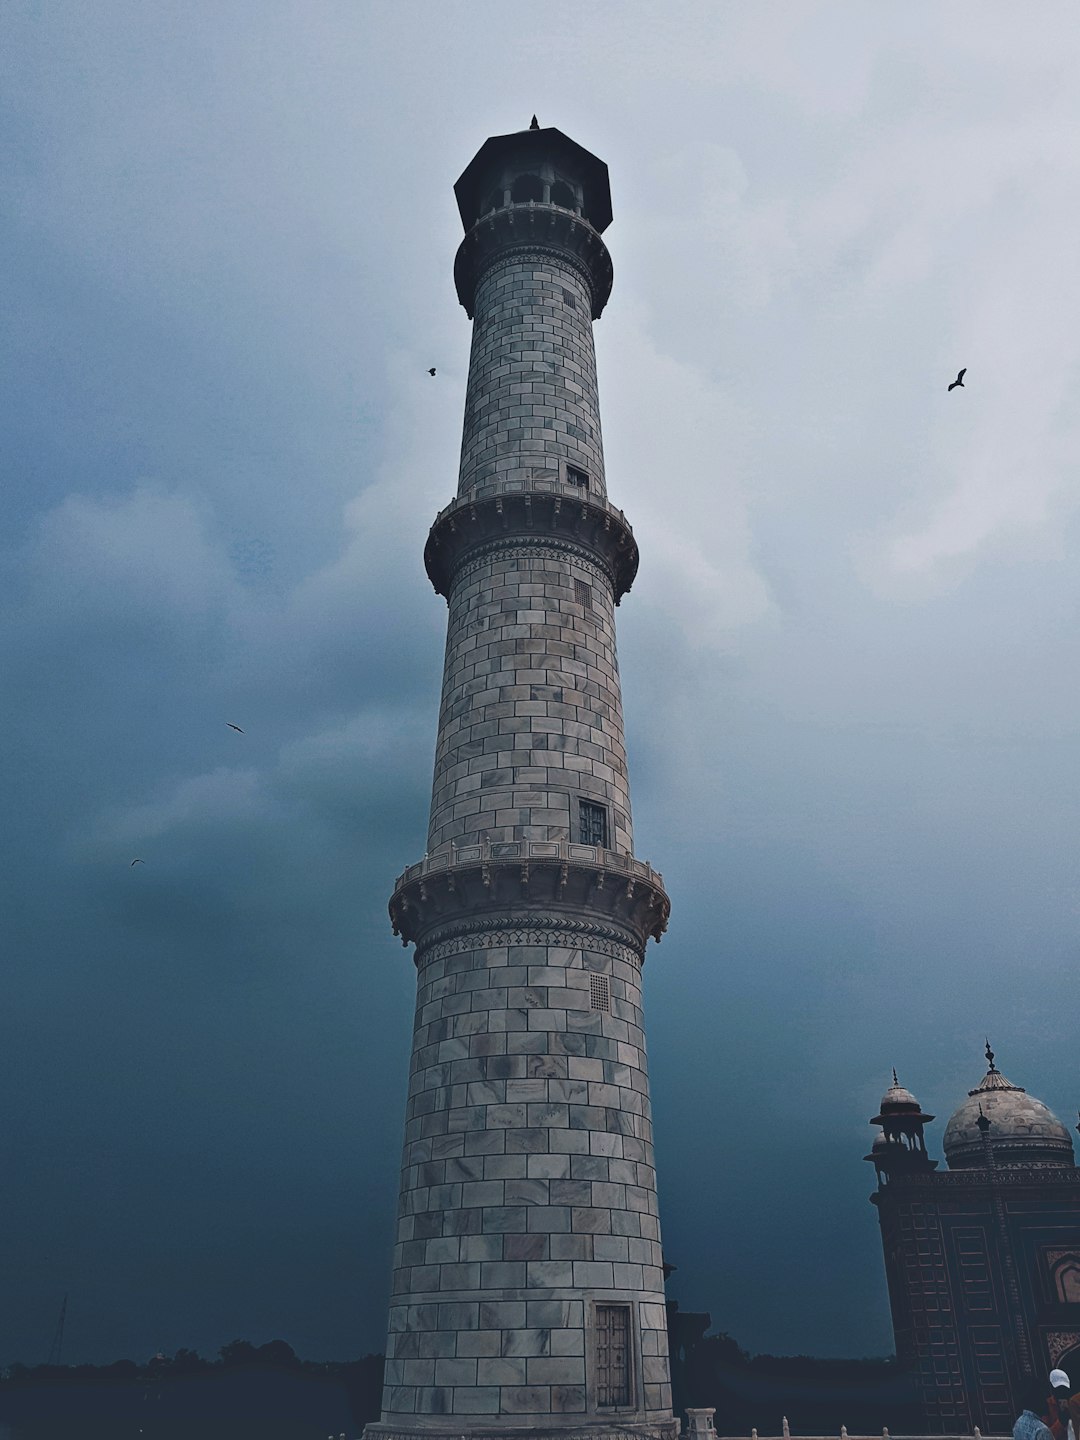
x,y
850,660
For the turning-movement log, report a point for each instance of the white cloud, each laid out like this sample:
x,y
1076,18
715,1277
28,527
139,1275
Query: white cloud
x,y
210,799
149,547
375,736
682,483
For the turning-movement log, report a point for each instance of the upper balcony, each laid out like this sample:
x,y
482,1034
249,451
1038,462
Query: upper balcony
x,y
556,880
530,224
546,502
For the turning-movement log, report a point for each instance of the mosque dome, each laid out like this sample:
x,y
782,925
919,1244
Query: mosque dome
x,y
1021,1129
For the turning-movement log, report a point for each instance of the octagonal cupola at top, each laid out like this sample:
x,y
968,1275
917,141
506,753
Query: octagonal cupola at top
x,y
1002,1117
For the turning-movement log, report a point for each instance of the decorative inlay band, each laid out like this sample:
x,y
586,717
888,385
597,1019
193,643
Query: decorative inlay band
x,y
487,933
537,548
1004,1176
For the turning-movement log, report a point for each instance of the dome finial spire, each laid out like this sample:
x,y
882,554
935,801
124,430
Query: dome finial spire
x,y
535,125
895,1081
990,1058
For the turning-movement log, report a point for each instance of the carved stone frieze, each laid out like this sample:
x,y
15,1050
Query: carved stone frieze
x,y
536,550
533,229
525,516
1012,1177
489,932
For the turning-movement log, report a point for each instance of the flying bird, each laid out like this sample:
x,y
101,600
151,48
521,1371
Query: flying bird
x,y
234,727
959,380
432,370
137,862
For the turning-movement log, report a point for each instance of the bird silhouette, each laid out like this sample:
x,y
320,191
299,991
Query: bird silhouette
x,y
432,370
234,727
137,862
959,380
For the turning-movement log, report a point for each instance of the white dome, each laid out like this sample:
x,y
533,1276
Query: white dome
x,y
1022,1130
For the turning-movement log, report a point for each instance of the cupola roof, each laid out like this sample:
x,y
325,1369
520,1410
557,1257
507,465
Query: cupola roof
x,y
525,149
899,1103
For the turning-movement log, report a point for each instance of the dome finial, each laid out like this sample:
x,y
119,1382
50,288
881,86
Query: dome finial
x,y
990,1058
895,1081
535,124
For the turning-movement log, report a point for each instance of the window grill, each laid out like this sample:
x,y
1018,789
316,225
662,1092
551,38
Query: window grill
x,y
612,1355
569,299
592,824
583,594
574,476
600,993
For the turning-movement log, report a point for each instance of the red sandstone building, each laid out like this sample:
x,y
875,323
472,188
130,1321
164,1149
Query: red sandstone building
x,y
982,1259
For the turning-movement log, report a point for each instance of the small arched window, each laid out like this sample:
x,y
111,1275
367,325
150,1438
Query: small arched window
x,y
563,194
526,188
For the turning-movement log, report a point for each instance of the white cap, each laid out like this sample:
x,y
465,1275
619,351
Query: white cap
x,y
1058,1377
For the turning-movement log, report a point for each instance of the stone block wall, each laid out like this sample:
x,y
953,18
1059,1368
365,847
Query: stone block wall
x,y
532,394
528,1191
531,713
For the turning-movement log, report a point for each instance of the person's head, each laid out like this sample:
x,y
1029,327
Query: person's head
x,y
1059,1384
1033,1396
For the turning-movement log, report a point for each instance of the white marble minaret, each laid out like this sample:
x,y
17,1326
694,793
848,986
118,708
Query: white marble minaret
x,y
528,1287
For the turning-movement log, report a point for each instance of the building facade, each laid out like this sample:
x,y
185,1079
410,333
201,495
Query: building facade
x,y
983,1259
528,1288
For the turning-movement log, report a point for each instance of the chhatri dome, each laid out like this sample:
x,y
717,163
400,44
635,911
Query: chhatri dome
x,y
1021,1129
898,1100
900,1146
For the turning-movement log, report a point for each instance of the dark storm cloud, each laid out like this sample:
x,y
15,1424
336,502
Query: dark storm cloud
x,y
848,661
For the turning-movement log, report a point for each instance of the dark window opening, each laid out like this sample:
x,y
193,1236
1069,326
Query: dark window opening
x,y
494,201
593,823
568,298
600,993
563,194
612,1355
574,476
525,188
583,594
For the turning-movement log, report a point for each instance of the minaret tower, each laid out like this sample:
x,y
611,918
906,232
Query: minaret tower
x,y
528,1289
